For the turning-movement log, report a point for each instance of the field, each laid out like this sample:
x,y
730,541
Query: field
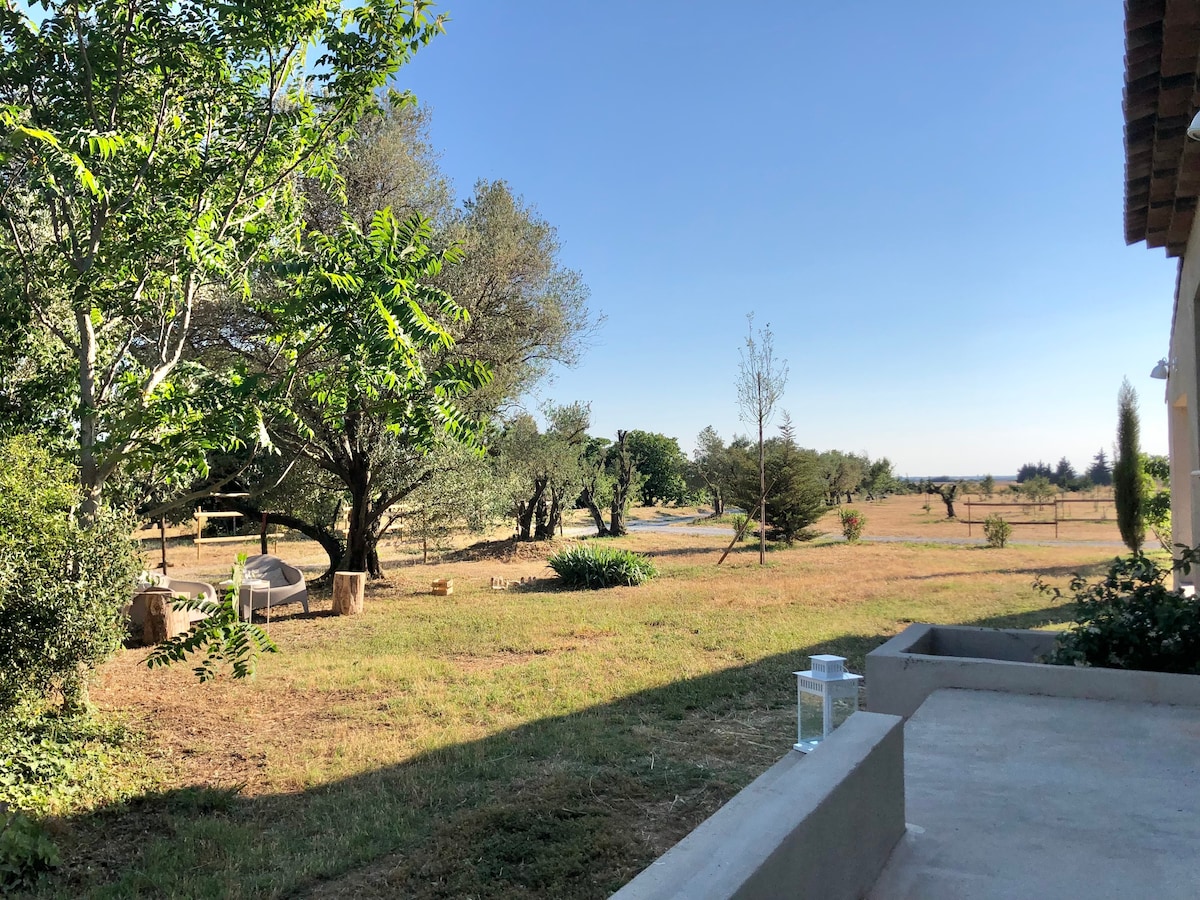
x,y
521,743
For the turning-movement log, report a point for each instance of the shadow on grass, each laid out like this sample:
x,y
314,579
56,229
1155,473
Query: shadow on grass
x,y
1087,571
567,806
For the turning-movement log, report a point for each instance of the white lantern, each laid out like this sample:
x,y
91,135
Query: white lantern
x,y
828,680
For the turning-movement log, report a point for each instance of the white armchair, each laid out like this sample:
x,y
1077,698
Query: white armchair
x,y
285,585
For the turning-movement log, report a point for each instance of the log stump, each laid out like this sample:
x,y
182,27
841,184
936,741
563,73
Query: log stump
x,y
163,621
348,590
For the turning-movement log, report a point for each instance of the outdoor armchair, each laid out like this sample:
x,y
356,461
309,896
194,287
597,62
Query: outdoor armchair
x,y
286,585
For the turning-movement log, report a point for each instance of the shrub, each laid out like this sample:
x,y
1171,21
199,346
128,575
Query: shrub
x,y
62,586
55,764
996,530
27,853
589,566
853,523
1130,620
741,525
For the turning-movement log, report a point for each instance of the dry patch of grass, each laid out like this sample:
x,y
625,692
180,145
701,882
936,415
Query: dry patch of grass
x,y
517,743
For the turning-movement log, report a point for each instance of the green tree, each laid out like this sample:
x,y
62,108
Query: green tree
x,y
988,485
1128,489
624,484
843,474
1100,472
597,481
712,469
661,465
1038,489
1156,480
795,491
351,337
879,479
1064,474
149,159
760,383
546,467
524,311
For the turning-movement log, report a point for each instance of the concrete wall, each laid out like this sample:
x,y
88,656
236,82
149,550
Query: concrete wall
x,y
925,658
1183,389
819,825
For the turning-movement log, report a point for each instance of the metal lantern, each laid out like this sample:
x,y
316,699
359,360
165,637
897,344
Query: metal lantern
x,y
829,680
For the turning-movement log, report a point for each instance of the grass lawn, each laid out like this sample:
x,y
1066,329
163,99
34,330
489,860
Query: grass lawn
x,y
520,743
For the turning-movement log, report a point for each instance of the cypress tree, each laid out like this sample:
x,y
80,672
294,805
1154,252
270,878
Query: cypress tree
x,y
1127,475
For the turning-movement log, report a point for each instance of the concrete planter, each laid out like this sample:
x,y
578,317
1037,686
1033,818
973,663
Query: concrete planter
x,y
924,658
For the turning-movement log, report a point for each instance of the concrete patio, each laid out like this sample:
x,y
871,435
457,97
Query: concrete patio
x,y
1020,796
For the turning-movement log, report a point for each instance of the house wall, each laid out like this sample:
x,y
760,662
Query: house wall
x,y
1183,389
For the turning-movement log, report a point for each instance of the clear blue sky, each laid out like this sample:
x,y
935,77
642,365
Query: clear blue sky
x,y
924,200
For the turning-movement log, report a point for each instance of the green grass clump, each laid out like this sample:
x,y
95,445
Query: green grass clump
x,y
589,566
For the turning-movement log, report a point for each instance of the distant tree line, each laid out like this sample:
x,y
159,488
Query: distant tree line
x,y
1064,475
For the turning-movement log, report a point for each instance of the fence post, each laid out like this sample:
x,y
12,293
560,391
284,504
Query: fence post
x,y
968,517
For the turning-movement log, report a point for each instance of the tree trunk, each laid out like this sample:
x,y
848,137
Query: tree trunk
x,y
762,502
526,511
362,529
589,500
616,523
89,466
330,542
348,591
542,531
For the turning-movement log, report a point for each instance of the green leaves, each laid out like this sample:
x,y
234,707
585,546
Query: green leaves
x,y
364,319
151,156
221,636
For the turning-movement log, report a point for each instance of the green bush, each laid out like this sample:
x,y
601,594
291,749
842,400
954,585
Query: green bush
x,y
62,586
853,523
1130,620
996,530
27,853
589,566
741,524
54,764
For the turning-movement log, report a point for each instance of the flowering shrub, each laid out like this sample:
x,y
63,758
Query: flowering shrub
x,y
853,523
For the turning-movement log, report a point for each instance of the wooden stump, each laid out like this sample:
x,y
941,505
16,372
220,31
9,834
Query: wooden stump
x,y
348,590
163,622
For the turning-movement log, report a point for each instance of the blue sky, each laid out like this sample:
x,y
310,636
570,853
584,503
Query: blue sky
x,y
923,199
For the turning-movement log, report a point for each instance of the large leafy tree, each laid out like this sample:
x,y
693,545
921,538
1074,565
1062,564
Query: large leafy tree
x,y
149,159
546,468
352,335
712,468
661,464
523,311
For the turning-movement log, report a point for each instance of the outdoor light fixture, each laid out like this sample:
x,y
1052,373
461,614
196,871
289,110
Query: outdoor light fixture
x,y
1193,131
1161,371
828,680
